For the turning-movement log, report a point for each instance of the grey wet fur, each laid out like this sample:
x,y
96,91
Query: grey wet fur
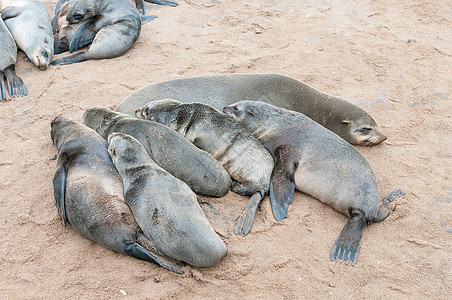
x,y
29,24
8,55
241,154
167,148
344,118
89,194
165,207
111,27
316,161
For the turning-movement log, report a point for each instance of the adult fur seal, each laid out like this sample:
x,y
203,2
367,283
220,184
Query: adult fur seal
x,y
88,193
29,24
110,26
317,162
165,207
345,119
167,148
8,54
240,153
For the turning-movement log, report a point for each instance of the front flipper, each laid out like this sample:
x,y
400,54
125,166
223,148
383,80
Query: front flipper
x,y
60,46
83,36
2,87
282,185
245,220
163,2
74,58
59,191
16,86
11,12
346,247
145,19
135,249
214,217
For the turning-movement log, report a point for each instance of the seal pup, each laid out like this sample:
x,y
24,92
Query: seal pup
x,y
317,162
243,156
111,27
8,54
345,119
164,207
167,148
88,193
29,24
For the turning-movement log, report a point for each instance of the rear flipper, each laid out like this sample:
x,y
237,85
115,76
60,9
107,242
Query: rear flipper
x,y
215,219
282,185
346,247
163,2
16,86
74,58
136,250
245,220
383,210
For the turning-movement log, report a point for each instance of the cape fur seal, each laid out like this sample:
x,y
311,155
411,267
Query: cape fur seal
x,y
89,195
111,27
244,157
317,162
8,54
345,119
29,24
167,148
164,207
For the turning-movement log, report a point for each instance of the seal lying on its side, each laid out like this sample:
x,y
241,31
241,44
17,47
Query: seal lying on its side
x,y
112,27
345,119
317,162
164,207
8,54
241,154
29,24
167,148
88,193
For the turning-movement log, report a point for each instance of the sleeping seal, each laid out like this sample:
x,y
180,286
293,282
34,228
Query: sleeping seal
x,y
29,24
165,207
8,54
245,159
319,163
88,193
345,119
111,27
167,148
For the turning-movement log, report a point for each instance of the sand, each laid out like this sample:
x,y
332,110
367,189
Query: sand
x,y
391,58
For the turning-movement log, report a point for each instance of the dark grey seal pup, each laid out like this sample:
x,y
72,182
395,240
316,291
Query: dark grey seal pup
x,y
167,148
8,55
29,24
318,162
345,119
111,27
164,207
241,154
89,194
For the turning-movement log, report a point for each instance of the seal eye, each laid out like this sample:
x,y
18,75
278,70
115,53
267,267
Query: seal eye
x,y
77,17
364,130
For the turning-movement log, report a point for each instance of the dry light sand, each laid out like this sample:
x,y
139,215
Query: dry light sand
x,y
393,58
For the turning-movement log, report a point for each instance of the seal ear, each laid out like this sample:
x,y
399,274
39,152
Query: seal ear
x,y
346,122
282,185
250,112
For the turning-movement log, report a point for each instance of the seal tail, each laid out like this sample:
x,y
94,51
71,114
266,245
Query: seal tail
x,y
245,220
143,248
383,210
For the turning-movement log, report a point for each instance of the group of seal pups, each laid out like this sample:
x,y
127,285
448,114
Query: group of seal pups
x,y
110,26
129,179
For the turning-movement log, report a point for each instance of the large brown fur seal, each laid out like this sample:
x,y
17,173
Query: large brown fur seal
x,y
29,24
111,27
165,207
316,161
8,54
241,154
345,119
167,148
89,194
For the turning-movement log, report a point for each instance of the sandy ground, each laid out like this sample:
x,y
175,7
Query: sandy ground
x,y
393,58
